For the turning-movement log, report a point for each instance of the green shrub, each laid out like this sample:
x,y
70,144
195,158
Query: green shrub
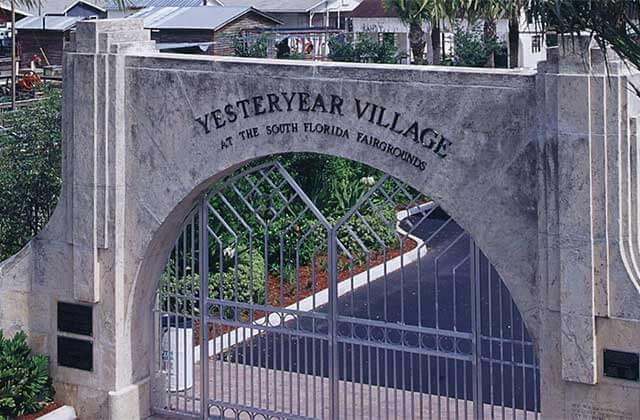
x,y
25,386
246,46
470,49
365,50
176,294
341,50
242,280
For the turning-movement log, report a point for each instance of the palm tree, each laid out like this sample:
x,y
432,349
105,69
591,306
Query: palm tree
x,y
441,10
490,11
414,13
513,9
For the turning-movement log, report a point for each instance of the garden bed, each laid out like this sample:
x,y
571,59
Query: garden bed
x,y
306,285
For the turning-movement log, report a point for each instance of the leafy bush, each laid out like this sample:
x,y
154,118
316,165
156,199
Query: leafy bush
x,y
365,50
340,49
30,170
25,386
246,46
296,243
247,280
470,49
242,280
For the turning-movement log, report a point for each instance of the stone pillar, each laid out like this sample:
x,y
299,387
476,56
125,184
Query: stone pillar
x,y
588,220
95,171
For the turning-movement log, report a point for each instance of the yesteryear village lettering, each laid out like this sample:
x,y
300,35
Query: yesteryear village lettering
x,y
242,111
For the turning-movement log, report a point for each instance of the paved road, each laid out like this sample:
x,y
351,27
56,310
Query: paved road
x,y
434,292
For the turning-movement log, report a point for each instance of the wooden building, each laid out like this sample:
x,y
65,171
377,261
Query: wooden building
x,y
43,35
206,29
304,14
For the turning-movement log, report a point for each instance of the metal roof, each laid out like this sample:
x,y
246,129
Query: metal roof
x,y
335,5
296,6
75,3
142,4
373,9
49,7
203,17
276,6
49,23
20,11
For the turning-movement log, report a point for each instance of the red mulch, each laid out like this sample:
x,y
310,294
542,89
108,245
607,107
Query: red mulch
x,y
46,409
291,293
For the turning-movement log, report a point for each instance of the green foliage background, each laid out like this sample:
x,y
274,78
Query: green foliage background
x,y
270,233
30,170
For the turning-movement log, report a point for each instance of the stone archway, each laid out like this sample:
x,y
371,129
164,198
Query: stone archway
x,y
498,229
146,133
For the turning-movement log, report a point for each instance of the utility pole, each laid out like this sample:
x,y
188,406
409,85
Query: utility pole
x,y
13,55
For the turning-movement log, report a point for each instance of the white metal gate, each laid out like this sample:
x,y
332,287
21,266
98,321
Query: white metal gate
x,y
384,308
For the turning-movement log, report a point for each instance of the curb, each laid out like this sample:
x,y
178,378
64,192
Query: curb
x,y
66,412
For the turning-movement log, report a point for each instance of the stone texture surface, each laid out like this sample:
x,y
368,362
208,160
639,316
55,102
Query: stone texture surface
x,y
533,173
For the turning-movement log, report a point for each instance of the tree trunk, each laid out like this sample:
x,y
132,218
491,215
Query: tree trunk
x,y
489,34
435,43
514,41
417,41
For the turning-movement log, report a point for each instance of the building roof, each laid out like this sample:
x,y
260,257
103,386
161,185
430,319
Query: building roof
x,y
49,23
296,6
51,7
203,17
72,5
142,4
337,5
372,9
276,6
20,11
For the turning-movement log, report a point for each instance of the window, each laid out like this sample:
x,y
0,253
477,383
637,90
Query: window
x,y
536,43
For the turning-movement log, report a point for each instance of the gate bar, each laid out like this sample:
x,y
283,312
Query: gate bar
x,y
334,363
204,309
476,290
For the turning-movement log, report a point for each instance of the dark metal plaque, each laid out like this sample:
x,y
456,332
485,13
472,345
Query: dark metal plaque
x,y
621,365
75,319
75,353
